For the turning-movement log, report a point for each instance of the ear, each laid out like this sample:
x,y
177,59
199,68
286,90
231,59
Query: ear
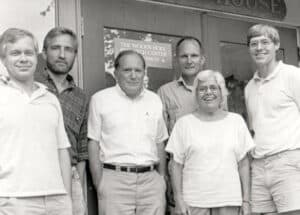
x,y
116,75
203,60
44,54
277,46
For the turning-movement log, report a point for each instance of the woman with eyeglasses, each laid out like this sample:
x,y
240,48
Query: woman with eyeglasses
x,y
210,166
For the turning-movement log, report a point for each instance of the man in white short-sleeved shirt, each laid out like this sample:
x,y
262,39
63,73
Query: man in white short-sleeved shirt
x,y
35,170
126,131
273,102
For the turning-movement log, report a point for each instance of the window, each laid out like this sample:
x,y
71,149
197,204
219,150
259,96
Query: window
x,y
36,16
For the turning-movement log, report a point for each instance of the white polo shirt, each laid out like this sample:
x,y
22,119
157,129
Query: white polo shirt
x,y
127,129
32,131
273,108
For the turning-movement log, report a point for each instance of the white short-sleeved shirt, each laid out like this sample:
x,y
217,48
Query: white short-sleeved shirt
x,y
32,132
209,152
126,129
273,106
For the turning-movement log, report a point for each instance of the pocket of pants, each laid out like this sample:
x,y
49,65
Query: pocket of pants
x,y
5,201
162,180
100,185
293,160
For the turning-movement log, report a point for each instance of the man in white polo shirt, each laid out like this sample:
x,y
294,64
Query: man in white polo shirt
x,y
273,104
35,169
126,130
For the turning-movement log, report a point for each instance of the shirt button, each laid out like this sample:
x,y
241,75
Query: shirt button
x,y
77,118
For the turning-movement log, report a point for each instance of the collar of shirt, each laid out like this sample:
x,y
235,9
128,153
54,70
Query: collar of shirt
x,y
40,90
181,82
51,85
269,77
121,92
4,79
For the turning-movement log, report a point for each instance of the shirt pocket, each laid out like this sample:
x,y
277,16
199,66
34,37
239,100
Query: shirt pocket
x,y
73,117
149,125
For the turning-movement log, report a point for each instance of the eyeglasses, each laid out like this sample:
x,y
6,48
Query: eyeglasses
x,y
263,43
204,89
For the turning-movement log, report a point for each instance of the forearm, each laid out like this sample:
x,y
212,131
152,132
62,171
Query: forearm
x,y
65,167
94,161
162,158
176,179
244,171
81,171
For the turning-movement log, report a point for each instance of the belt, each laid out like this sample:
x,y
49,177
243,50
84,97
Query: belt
x,y
135,169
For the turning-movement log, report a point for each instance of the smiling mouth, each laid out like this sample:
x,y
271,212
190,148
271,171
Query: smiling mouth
x,y
209,99
24,68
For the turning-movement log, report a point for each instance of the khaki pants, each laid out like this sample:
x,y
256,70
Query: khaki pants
x,y
79,205
41,205
131,193
215,211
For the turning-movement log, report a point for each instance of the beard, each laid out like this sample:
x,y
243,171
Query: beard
x,y
59,70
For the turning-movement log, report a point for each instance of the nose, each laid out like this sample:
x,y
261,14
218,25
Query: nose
x,y
62,53
208,90
133,74
259,46
189,59
23,57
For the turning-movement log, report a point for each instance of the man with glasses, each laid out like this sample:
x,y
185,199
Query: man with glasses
x,y
273,104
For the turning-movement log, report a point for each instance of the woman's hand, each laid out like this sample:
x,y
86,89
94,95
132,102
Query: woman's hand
x,y
181,208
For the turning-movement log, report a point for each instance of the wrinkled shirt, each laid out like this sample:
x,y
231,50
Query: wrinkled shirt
x,y
74,105
178,100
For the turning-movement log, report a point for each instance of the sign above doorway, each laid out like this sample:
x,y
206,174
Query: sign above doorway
x,y
267,9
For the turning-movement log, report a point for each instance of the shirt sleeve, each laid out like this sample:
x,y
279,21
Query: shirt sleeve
x,y
162,96
82,137
62,138
249,117
245,142
294,85
94,121
176,142
162,133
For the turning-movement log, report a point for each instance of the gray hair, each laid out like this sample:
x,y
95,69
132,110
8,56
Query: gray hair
x,y
12,35
202,77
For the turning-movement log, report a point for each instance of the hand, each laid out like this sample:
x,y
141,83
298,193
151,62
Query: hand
x,y
98,186
245,209
181,208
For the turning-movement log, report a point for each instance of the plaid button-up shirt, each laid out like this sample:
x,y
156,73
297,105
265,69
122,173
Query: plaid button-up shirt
x,y
74,104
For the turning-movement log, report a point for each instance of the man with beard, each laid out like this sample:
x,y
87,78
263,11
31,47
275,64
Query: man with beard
x,y
59,51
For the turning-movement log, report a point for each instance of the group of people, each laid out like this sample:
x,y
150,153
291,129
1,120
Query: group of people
x,y
182,141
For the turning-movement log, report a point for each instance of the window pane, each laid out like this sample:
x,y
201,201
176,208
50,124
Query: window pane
x,y
157,49
37,16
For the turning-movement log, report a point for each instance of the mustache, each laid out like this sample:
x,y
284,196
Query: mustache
x,y
61,61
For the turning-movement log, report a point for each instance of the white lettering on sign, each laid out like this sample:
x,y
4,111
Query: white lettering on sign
x,y
157,55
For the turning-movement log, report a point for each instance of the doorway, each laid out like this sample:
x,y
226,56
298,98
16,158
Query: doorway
x,y
227,51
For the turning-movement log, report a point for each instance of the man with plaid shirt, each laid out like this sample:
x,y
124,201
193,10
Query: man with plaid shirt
x,y
59,51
